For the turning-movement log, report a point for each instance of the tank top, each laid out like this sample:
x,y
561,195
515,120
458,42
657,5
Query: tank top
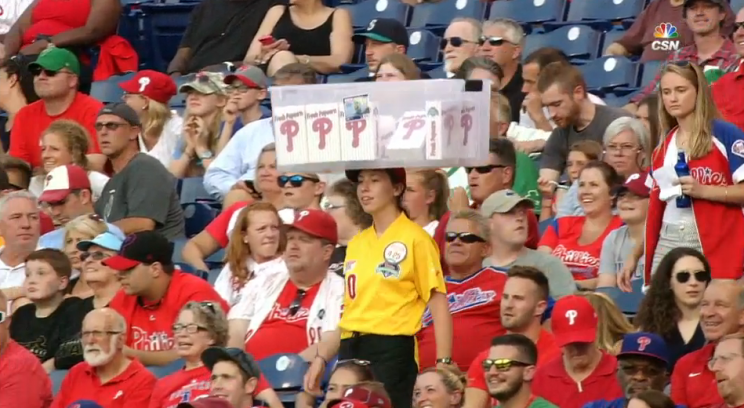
x,y
315,41
51,17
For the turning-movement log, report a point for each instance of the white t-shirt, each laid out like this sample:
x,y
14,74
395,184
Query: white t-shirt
x,y
97,183
10,12
166,145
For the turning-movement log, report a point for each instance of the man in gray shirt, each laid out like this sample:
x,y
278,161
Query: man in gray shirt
x,y
141,195
508,212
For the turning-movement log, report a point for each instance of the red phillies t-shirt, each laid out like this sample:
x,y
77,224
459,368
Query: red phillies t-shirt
x,y
553,383
31,121
562,236
693,384
23,381
284,331
475,305
188,385
218,227
149,326
546,351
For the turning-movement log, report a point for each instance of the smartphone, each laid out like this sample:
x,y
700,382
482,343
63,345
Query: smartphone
x,y
266,40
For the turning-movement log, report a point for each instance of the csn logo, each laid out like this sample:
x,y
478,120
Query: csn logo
x,y
667,38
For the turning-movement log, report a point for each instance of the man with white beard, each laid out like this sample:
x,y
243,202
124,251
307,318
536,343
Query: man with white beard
x,y
106,375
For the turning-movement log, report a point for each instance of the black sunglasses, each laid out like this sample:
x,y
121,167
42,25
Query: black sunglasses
x,y
95,256
109,125
36,70
484,169
295,181
465,237
294,307
492,41
456,42
739,25
700,276
208,306
502,364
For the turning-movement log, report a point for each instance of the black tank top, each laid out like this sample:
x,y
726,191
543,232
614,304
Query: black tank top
x,y
316,41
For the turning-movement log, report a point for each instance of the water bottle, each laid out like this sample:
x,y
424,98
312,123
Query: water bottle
x,y
682,169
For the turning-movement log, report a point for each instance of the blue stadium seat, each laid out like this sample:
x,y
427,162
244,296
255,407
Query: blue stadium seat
x,y
423,46
436,72
197,217
438,15
164,25
529,12
603,14
192,191
350,77
577,41
285,373
609,38
616,101
216,260
650,70
544,225
178,245
57,376
737,5
108,90
607,73
628,303
166,370
365,11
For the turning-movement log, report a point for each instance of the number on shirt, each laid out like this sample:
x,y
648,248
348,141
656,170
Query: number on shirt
x,y
314,335
351,285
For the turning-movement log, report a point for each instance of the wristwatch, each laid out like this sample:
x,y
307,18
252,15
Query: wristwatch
x,y
205,155
446,360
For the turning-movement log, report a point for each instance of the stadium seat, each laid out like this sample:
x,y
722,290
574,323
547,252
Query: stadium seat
x,y
650,70
216,260
166,370
192,191
164,25
603,14
178,245
437,16
616,101
108,90
628,303
423,46
285,373
57,376
737,5
607,73
197,217
577,41
364,12
437,72
350,77
609,38
544,225
528,12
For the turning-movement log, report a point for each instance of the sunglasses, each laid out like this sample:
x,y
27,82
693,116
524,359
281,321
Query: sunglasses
x,y
739,25
109,125
700,276
492,41
2,317
208,306
296,180
484,169
94,256
37,70
502,364
294,307
465,237
456,42
351,361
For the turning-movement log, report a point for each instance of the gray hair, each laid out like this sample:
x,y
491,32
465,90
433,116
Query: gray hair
x,y
634,126
210,314
477,27
513,31
13,195
481,223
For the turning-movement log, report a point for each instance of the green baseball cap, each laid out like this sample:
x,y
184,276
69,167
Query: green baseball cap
x,y
55,59
205,83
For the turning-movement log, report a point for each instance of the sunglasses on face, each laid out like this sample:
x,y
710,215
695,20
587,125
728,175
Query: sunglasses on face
x,y
502,364
700,276
295,181
37,70
492,41
465,237
94,256
484,169
739,26
456,42
2,317
109,125
294,307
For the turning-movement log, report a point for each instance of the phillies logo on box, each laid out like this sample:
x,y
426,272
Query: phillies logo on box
x,y
466,122
289,128
322,124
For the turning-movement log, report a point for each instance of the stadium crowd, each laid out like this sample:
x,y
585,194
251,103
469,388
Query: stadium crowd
x,y
595,261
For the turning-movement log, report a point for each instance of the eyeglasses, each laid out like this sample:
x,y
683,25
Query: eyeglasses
x,y
190,328
98,334
109,125
484,169
329,206
456,42
94,256
680,63
502,364
724,359
492,41
700,276
240,88
622,148
296,304
295,181
465,237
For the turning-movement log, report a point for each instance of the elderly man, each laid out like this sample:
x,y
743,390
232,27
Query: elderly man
x,y
20,227
728,365
502,42
460,41
235,374
106,375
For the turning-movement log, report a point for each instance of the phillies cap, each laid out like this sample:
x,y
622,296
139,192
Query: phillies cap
x,y
358,396
574,320
243,360
62,181
635,184
85,404
316,223
152,84
111,239
503,201
384,30
123,111
144,247
209,402
397,174
250,76
644,344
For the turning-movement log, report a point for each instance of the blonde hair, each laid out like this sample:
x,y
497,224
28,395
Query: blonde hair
x,y
500,106
700,140
453,379
213,127
75,137
89,224
211,315
158,114
238,251
436,181
613,325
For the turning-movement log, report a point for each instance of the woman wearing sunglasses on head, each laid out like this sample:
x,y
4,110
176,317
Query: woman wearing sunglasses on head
x,y
392,274
707,155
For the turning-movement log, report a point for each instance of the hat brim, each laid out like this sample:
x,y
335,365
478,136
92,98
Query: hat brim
x,y
247,82
53,196
120,263
576,336
214,355
187,87
642,354
130,87
635,191
357,404
362,37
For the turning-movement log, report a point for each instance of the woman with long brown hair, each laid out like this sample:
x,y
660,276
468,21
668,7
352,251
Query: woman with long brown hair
x,y
256,245
396,67
425,198
612,324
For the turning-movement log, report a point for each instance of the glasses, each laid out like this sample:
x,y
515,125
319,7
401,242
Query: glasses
x,y
492,41
502,364
239,88
2,317
724,359
484,169
739,26
36,70
190,328
680,63
329,206
98,334
351,361
465,237
108,125
295,181
621,149
94,256
294,307
456,42
700,276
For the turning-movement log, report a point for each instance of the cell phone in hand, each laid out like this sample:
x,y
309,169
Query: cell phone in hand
x,y
266,40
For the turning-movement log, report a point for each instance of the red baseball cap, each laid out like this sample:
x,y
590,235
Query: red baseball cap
x,y
152,84
397,174
316,223
62,181
574,320
361,397
636,184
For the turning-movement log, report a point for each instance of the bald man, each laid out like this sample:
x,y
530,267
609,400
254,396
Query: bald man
x,y
721,314
23,381
106,374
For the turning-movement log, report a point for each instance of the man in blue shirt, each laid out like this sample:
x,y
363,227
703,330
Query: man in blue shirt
x,y
641,366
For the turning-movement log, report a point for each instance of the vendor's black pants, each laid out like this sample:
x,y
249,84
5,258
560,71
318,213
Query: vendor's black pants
x,y
393,361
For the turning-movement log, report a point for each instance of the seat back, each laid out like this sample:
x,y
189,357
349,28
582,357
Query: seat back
x,y
365,11
164,25
285,372
650,70
440,14
607,73
197,217
576,41
528,11
423,46
609,10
